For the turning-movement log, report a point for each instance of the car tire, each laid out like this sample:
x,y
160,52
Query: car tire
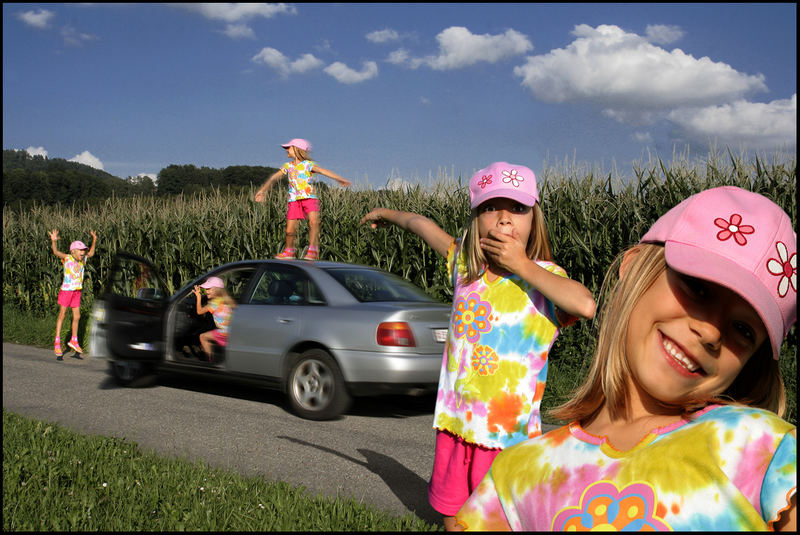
x,y
316,387
130,372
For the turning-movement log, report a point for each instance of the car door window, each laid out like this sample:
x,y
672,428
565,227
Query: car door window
x,y
286,287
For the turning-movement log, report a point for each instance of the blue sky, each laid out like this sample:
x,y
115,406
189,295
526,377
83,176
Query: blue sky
x,y
397,91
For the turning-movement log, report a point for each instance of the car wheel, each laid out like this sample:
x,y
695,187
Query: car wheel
x,y
316,386
129,372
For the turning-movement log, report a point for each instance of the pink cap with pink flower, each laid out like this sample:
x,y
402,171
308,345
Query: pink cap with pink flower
x,y
740,240
502,179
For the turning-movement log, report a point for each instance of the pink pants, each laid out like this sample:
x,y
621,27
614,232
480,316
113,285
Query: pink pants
x,y
300,209
69,299
458,467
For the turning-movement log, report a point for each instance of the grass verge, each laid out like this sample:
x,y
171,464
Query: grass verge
x,y
58,480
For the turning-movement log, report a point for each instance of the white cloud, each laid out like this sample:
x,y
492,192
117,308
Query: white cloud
x,y
305,63
278,61
38,19
239,31
75,38
628,75
383,36
346,75
662,34
87,158
458,47
399,57
235,12
755,125
36,151
643,137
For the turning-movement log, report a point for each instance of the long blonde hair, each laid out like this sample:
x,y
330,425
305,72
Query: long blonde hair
x,y
758,384
301,154
537,248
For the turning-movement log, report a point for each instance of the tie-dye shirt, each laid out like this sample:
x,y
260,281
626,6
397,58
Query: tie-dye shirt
x,y
222,314
732,468
299,175
495,361
73,274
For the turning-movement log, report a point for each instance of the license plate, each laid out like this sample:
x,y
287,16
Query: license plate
x,y
440,335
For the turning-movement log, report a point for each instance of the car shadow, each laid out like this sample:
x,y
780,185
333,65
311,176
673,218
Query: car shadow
x,y
382,406
393,406
408,487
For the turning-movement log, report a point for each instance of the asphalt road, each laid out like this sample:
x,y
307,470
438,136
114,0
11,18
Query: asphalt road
x,y
380,452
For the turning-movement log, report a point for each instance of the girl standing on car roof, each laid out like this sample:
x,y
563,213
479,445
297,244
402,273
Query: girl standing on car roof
x,y
509,302
303,201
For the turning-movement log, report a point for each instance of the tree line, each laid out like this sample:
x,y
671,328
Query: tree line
x,y
29,180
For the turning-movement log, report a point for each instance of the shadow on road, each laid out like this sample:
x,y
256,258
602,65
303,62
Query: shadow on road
x,y
410,489
386,406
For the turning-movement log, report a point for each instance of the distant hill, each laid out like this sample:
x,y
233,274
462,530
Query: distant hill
x,y
37,179
20,159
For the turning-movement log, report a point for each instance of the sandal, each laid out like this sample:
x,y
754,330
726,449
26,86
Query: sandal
x,y
285,255
74,345
311,254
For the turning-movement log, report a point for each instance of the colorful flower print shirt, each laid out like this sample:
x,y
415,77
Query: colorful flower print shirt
x,y
73,274
732,468
299,174
495,361
222,314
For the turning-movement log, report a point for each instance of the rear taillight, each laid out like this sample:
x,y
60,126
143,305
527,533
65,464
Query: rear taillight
x,y
395,333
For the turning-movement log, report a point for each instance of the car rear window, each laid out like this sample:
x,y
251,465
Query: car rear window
x,y
369,286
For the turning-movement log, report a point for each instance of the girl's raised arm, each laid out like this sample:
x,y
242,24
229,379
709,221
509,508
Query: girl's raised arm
x,y
94,241
330,174
430,232
260,195
53,240
568,295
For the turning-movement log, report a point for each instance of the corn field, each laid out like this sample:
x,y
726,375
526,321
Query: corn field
x,y
590,217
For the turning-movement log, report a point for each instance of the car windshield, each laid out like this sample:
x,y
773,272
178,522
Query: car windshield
x,y
369,286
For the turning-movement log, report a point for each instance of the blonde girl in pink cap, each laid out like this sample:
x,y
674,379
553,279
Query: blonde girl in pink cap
x,y
509,302
677,425
303,201
220,304
69,295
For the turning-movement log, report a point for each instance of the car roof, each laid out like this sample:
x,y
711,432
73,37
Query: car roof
x,y
322,264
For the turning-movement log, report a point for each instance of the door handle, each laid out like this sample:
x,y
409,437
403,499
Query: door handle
x,y
285,320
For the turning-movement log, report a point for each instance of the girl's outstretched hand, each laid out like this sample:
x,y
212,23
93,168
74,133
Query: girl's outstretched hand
x,y
54,235
505,250
376,219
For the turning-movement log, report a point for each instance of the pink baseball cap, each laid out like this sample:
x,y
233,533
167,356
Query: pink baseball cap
x,y
213,282
77,244
742,241
301,144
502,179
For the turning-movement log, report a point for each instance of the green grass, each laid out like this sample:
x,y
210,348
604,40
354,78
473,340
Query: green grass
x,y
58,480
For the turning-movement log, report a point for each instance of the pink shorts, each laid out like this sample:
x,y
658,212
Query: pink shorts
x,y
219,338
458,467
69,298
300,209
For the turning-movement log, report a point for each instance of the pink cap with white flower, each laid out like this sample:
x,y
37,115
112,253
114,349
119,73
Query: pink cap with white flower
x,y
502,179
740,240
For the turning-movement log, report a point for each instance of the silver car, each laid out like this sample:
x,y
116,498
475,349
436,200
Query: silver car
x,y
321,332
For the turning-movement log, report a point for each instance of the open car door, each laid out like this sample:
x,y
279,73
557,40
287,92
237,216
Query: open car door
x,y
136,299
